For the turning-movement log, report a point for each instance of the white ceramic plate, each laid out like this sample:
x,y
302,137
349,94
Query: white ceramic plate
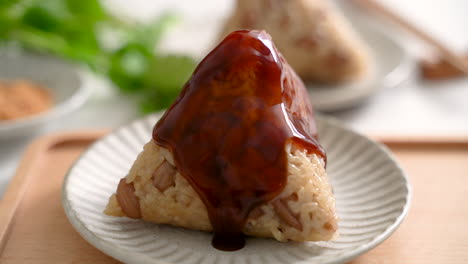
x,y
391,65
372,198
60,78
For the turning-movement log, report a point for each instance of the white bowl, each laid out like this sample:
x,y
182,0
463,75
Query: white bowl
x,y
60,78
390,63
372,197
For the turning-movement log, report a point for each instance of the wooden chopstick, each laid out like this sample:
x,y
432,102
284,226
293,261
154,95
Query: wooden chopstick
x,y
440,70
445,52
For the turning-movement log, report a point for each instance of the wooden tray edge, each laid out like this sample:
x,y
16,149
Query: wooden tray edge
x,y
18,184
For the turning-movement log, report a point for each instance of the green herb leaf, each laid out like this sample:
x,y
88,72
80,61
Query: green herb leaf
x,y
164,80
90,11
169,73
69,29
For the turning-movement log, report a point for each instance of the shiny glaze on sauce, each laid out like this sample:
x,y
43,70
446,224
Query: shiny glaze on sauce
x,y
228,128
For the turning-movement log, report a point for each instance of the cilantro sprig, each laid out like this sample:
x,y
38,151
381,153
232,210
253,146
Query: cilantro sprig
x,y
74,30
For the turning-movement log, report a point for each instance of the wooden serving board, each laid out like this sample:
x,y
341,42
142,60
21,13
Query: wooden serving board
x,y
34,228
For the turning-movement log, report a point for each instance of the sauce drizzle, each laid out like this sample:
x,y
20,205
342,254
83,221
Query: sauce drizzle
x,y
228,128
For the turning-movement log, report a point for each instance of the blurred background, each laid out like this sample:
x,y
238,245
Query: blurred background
x,y
99,64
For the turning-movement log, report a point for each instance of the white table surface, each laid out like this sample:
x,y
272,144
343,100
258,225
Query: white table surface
x,y
412,108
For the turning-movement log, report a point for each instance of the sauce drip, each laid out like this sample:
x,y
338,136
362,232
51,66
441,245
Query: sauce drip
x,y
228,128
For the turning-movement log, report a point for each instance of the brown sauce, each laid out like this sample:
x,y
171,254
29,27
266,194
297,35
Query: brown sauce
x,y
228,128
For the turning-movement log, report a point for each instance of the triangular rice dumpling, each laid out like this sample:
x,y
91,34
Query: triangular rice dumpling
x,y
237,153
313,36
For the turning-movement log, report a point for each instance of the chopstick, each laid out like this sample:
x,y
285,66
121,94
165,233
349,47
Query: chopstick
x,y
440,70
447,54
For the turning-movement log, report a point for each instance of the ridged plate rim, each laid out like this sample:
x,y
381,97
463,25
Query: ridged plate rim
x,y
127,256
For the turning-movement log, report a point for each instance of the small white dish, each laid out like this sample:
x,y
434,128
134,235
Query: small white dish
x,y
372,197
60,78
391,64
